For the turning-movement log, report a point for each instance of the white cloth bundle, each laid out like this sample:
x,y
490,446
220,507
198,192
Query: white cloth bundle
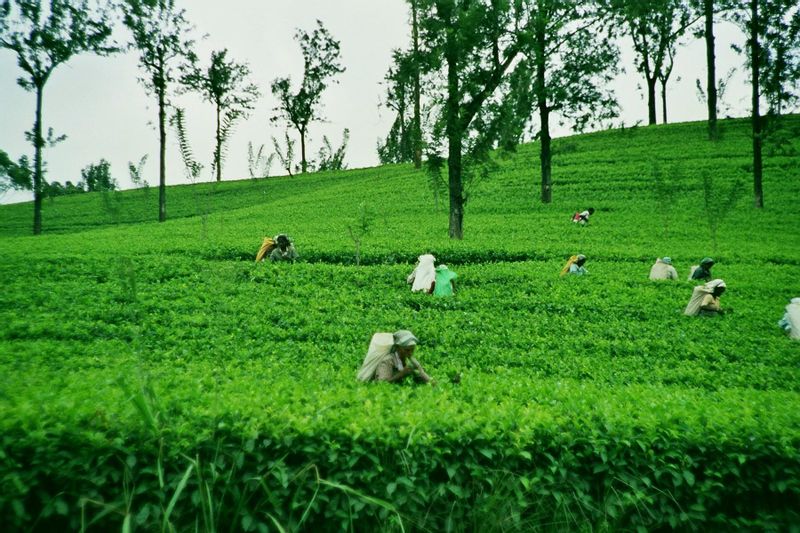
x,y
793,317
698,295
380,348
424,274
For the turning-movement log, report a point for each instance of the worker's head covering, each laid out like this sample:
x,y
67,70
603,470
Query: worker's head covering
x,y
707,261
441,267
380,349
282,240
424,274
666,260
404,338
794,301
266,247
699,293
581,259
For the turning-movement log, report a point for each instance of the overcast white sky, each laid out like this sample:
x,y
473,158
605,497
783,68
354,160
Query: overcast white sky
x,y
105,113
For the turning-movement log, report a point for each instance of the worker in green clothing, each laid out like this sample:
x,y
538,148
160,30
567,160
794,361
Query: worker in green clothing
x,y
445,281
703,271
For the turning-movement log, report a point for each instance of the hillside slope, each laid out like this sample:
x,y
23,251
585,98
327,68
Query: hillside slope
x,y
154,375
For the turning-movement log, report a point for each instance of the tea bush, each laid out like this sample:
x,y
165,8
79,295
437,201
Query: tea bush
x,y
153,377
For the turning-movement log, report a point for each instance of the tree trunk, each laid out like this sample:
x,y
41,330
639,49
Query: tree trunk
x,y
162,154
38,145
218,152
416,132
711,62
651,99
454,131
544,117
755,63
303,164
663,101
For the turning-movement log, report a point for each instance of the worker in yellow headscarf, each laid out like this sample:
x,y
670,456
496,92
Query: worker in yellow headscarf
x,y
575,266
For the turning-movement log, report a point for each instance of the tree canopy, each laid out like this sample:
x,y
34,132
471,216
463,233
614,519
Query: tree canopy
x,y
321,63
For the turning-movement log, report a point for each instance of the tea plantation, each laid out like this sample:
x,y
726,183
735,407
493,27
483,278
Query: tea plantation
x,y
153,377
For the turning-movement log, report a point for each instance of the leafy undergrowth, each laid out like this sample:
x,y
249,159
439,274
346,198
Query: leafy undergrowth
x,y
153,377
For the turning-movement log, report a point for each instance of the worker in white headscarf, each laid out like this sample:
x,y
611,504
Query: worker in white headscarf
x,y
423,275
705,299
791,319
663,269
391,358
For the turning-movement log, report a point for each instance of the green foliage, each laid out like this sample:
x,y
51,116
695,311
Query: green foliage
x,y
450,31
666,190
158,35
154,380
398,145
285,156
15,175
434,163
360,228
136,173
655,27
192,167
97,177
223,83
159,32
258,165
330,158
43,38
320,66
718,204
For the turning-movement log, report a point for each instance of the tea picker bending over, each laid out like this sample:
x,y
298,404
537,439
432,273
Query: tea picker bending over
x,y
575,266
445,281
663,269
278,248
791,319
424,274
703,271
705,299
391,358
284,249
582,218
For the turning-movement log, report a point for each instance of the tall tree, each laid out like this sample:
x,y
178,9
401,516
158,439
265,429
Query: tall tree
x,y
399,145
225,84
320,64
478,42
415,51
158,30
781,57
773,53
573,62
755,68
654,27
707,10
404,141
43,39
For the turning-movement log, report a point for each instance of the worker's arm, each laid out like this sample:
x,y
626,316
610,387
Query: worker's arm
x,y
400,374
710,303
425,377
